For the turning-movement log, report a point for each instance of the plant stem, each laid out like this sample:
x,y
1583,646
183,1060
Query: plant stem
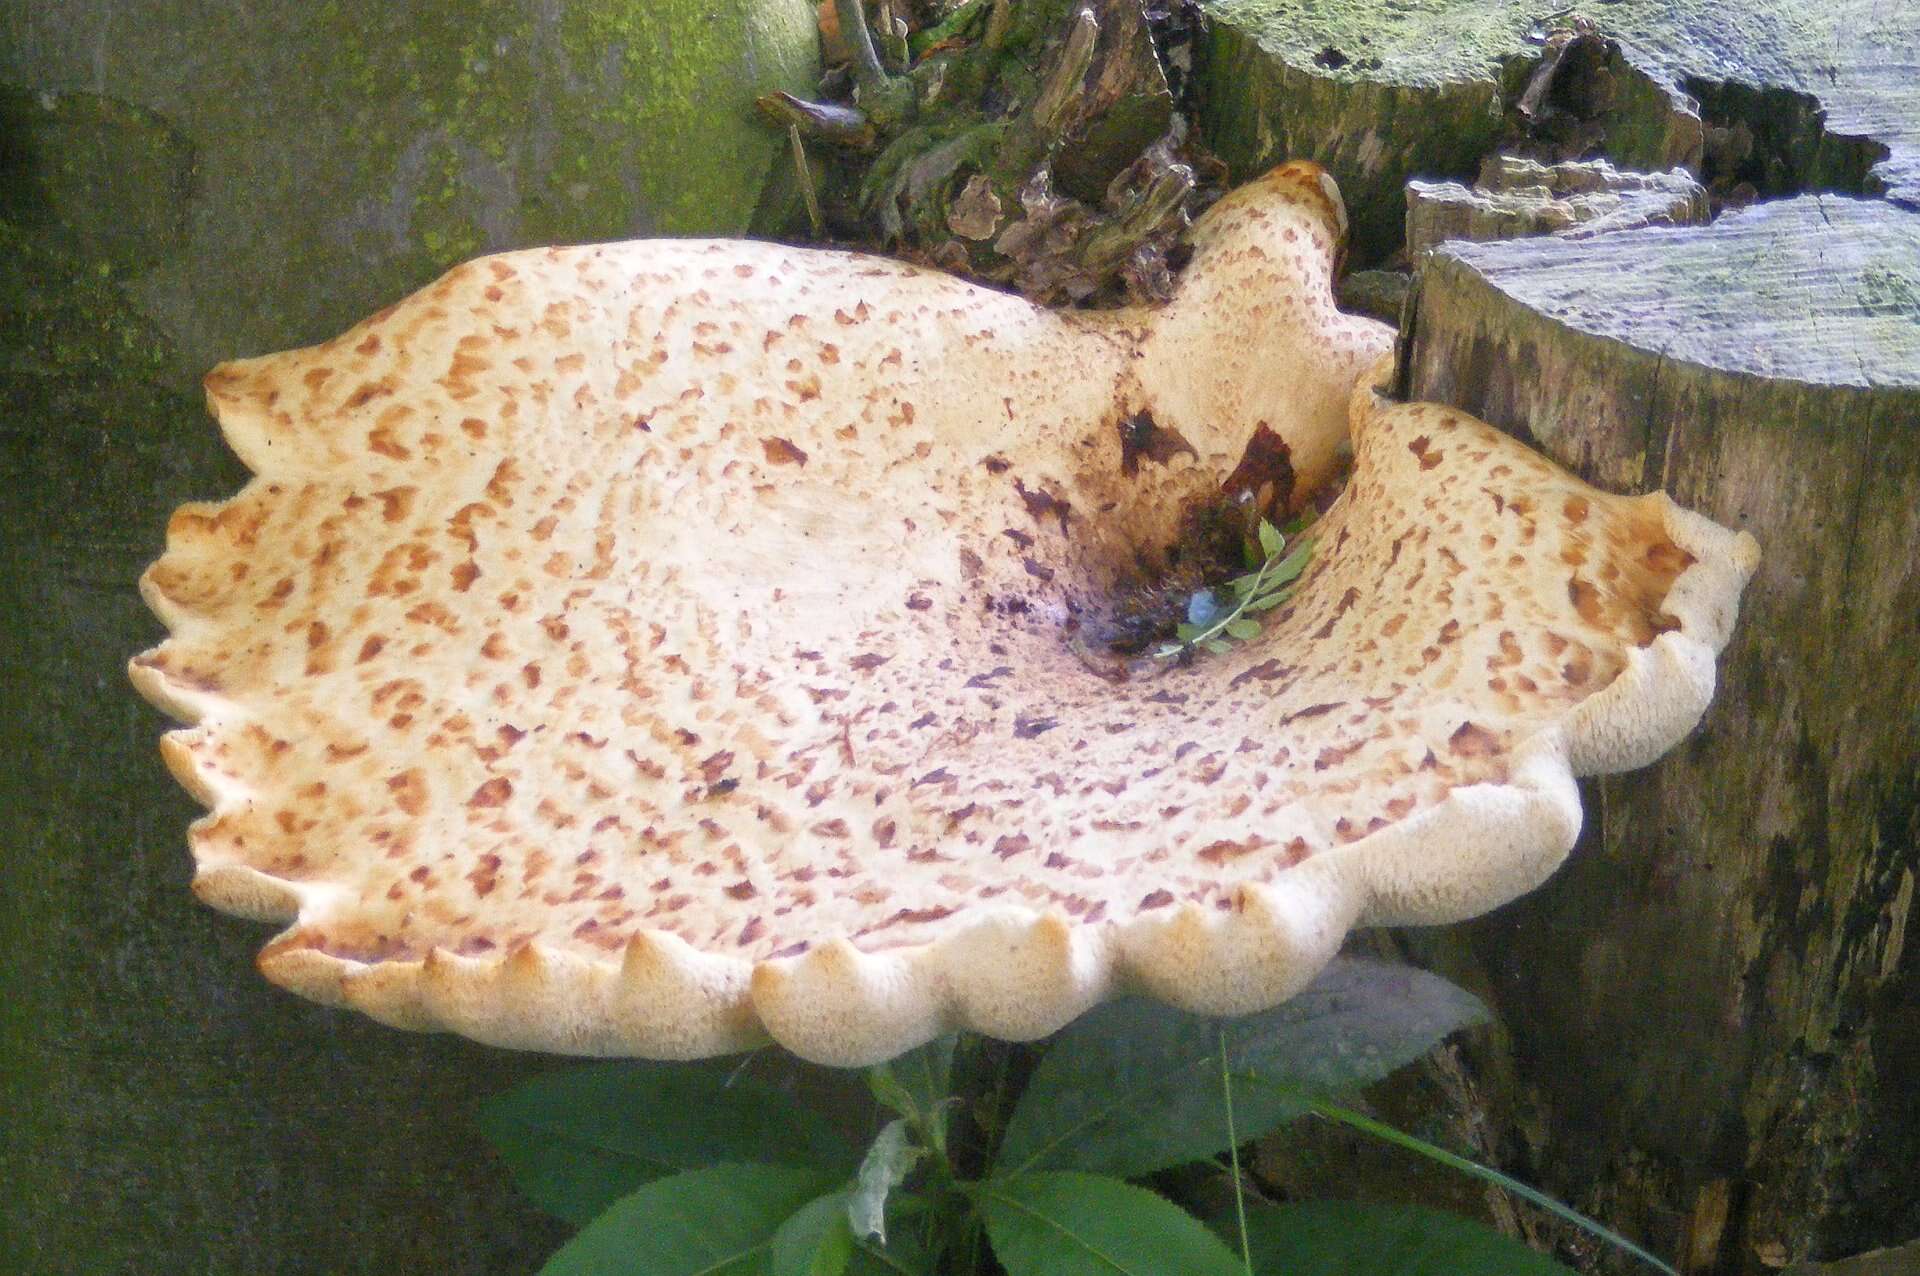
x,y
1233,1150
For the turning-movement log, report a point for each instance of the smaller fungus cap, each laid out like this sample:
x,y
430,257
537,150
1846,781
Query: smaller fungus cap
x,y
643,648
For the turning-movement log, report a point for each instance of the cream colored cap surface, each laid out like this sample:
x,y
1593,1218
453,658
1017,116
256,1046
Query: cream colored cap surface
x,y
639,649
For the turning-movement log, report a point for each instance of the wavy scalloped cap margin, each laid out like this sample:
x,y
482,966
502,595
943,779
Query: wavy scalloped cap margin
x,y
643,649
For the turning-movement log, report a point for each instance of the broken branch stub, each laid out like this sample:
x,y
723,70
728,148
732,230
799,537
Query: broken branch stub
x,y
640,649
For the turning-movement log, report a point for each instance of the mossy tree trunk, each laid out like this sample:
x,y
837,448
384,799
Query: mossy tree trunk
x,y
182,183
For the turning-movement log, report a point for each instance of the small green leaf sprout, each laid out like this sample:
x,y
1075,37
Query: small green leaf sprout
x,y
1213,624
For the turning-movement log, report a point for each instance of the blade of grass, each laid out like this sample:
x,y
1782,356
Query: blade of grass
x,y
1233,1138
1381,1130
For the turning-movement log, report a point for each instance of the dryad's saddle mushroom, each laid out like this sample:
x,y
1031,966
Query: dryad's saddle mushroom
x,y
643,648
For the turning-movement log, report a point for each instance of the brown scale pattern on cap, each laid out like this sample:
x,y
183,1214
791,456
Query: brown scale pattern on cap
x,y
720,591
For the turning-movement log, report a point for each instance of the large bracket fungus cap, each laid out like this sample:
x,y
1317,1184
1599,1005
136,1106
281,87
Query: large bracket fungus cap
x,y
640,649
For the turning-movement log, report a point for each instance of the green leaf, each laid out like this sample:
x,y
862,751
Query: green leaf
x,y
1343,1238
1133,1086
1290,567
1270,539
579,1139
902,1255
816,1241
700,1223
1243,628
1267,602
917,1086
888,1162
1187,633
1217,646
1068,1224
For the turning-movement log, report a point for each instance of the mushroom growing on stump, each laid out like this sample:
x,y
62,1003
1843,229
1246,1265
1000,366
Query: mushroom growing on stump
x,y
644,648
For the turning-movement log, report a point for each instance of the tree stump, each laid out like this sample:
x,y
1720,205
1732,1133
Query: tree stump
x,y
1768,96
1714,1009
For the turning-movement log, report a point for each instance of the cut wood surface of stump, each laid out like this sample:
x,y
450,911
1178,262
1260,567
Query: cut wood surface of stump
x,y
1715,1010
1776,94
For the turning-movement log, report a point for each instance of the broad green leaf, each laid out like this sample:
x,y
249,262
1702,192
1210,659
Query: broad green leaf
x,y
1133,1086
700,1223
1187,633
816,1241
1343,1238
1267,602
887,1164
579,1139
1270,539
1068,1224
1243,628
1217,646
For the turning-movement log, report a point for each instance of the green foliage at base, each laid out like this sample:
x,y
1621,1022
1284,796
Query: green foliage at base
x,y
717,1168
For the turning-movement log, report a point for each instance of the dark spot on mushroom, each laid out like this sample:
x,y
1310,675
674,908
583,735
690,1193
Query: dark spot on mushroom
x,y
1012,844
1228,849
1311,711
1043,504
1473,741
1028,728
494,792
1264,474
1585,597
1141,436
1347,600
1265,671
1156,899
782,452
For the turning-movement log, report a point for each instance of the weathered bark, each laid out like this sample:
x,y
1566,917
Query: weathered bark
x,y
1714,1009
